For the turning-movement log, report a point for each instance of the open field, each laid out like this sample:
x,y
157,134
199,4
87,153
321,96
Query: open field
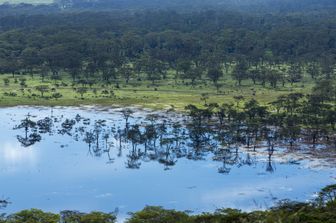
x,y
163,95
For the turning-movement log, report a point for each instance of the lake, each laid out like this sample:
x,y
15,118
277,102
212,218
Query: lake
x,y
90,158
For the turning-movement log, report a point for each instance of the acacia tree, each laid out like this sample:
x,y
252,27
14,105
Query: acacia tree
x,y
239,72
328,196
204,97
215,74
42,89
126,72
193,73
108,73
238,99
313,70
295,73
6,81
154,69
82,91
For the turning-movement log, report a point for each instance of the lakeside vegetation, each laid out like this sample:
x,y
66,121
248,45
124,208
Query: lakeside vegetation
x,y
322,210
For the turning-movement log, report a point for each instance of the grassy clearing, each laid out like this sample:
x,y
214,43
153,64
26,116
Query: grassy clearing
x,y
164,94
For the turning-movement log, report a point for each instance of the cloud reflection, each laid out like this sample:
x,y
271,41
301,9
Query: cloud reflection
x,y
14,158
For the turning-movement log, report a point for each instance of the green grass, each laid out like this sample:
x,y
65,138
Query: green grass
x,y
165,94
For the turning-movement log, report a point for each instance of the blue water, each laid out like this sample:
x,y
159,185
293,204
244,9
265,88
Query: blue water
x,y
60,173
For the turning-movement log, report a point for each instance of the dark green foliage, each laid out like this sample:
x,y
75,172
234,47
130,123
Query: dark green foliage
x,y
42,89
82,91
97,217
284,211
38,216
33,216
327,196
291,117
96,46
158,215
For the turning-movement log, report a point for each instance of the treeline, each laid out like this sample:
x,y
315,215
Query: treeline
x,y
323,210
288,120
188,5
104,46
273,6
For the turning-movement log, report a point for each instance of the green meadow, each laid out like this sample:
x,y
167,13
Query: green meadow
x,y
164,94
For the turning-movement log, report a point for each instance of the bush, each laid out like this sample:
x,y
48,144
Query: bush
x,y
285,211
33,216
105,92
6,81
56,95
10,94
327,196
97,217
158,215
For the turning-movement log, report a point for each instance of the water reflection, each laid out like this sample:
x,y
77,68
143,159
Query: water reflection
x,y
99,159
162,138
11,154
3,203
153,138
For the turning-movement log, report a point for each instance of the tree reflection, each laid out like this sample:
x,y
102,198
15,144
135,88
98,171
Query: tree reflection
x,y
4,203
232,140
30,132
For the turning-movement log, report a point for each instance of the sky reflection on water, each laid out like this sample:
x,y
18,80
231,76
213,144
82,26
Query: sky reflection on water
x,y
59,173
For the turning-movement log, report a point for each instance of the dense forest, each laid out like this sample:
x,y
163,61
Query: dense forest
x,y
106,45
281,6
271,42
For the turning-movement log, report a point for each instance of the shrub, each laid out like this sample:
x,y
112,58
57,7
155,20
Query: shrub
x,y
6,81
57,95
158,215
33,216
10,94
97,217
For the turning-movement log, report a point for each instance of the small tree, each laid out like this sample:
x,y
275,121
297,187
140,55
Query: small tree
x,y
239,72
82,91
6,81
23,82
94,217
42,89
214,74
34,215
204,97
57,95
327,196
238,99
112,94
